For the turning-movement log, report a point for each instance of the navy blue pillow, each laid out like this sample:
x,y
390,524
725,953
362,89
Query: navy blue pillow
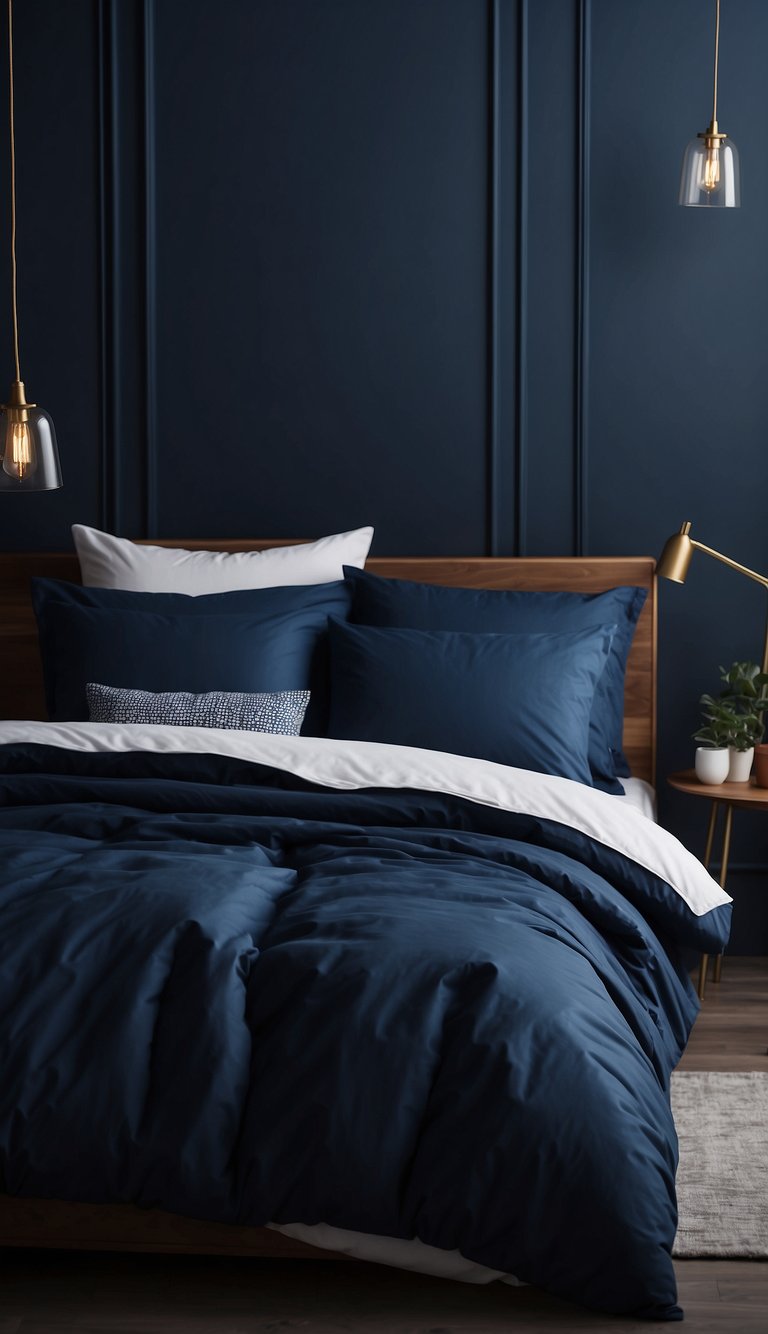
x,y
523,700
409,605
251,640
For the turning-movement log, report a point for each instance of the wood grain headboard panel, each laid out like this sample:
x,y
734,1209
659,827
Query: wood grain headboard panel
x,y
22,692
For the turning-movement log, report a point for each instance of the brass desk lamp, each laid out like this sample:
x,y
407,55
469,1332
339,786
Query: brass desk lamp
x,y
675,561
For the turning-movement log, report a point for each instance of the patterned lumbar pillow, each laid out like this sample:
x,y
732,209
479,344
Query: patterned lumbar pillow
x,y
280,712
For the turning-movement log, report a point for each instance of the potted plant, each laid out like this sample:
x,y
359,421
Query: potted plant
x,y
745,688
748,730
735,719
713,757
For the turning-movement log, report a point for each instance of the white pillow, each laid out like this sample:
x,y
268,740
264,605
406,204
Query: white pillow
x,y
116,562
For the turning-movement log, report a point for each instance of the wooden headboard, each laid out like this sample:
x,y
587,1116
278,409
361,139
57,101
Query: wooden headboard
x,y
21,695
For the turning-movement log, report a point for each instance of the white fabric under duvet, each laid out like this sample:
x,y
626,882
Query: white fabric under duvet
x,y
619,822
640,795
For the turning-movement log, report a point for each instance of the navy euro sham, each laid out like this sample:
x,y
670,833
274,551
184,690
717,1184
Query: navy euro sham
x,y
238,995
261,640
518,699
406,604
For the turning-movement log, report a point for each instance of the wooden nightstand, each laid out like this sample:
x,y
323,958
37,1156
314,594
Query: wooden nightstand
x,y
731,796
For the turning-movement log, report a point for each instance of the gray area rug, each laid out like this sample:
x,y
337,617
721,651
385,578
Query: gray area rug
x,y
722,1180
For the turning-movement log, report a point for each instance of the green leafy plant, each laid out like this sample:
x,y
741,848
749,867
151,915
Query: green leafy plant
x,y
719,724
735,717
744,681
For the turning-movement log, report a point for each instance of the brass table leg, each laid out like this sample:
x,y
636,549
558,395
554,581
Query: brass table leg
x,y
711,833
724,874
704,961
701,988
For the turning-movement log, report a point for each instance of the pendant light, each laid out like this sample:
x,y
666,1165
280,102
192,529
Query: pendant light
x,y
27,438
710,177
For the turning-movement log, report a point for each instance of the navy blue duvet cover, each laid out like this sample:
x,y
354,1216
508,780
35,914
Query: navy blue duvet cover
x,y
239,995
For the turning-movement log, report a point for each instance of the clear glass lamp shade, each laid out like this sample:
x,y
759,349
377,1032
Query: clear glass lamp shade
x,y
30,455
710,177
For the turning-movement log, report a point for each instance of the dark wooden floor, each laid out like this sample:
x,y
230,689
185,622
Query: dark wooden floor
x,y
57,1293
731,1032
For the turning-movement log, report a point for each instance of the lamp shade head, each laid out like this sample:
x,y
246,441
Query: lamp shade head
x,y
710,176
29,455
674,561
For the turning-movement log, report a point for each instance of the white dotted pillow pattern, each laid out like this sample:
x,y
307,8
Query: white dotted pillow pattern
x,y
280,712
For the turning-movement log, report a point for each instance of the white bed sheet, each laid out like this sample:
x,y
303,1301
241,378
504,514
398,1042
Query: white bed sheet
x,y
396,1252
640,795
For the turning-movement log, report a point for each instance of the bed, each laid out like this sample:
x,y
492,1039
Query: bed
x,y
628,900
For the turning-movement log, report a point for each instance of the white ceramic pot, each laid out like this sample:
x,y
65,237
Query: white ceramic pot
x,y
712,765
741,764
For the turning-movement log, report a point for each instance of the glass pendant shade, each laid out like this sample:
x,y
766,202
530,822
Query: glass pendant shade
x,y
710,177
30,455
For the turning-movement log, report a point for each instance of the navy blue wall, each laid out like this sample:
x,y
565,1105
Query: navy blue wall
x,y
288,266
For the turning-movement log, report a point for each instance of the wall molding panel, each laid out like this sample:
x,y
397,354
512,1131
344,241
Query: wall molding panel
x,y
109,285
127,359
507,276
150,272
494,239
581,332
521,326
131,387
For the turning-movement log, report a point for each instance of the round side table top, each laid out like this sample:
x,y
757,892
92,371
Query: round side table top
x,y
742,794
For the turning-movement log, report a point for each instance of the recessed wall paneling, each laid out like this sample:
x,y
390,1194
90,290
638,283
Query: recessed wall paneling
x,y
322,262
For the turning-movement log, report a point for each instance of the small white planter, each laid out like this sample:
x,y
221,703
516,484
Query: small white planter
x,y
741,764
712,765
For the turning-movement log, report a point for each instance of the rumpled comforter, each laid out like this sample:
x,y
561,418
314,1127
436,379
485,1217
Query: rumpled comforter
x,y
271,980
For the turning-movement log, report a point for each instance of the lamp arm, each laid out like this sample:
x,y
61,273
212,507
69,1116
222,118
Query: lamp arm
x,y
742,569
734,564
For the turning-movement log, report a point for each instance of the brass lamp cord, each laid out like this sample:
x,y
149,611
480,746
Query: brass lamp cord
x,y
717,56
14,298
